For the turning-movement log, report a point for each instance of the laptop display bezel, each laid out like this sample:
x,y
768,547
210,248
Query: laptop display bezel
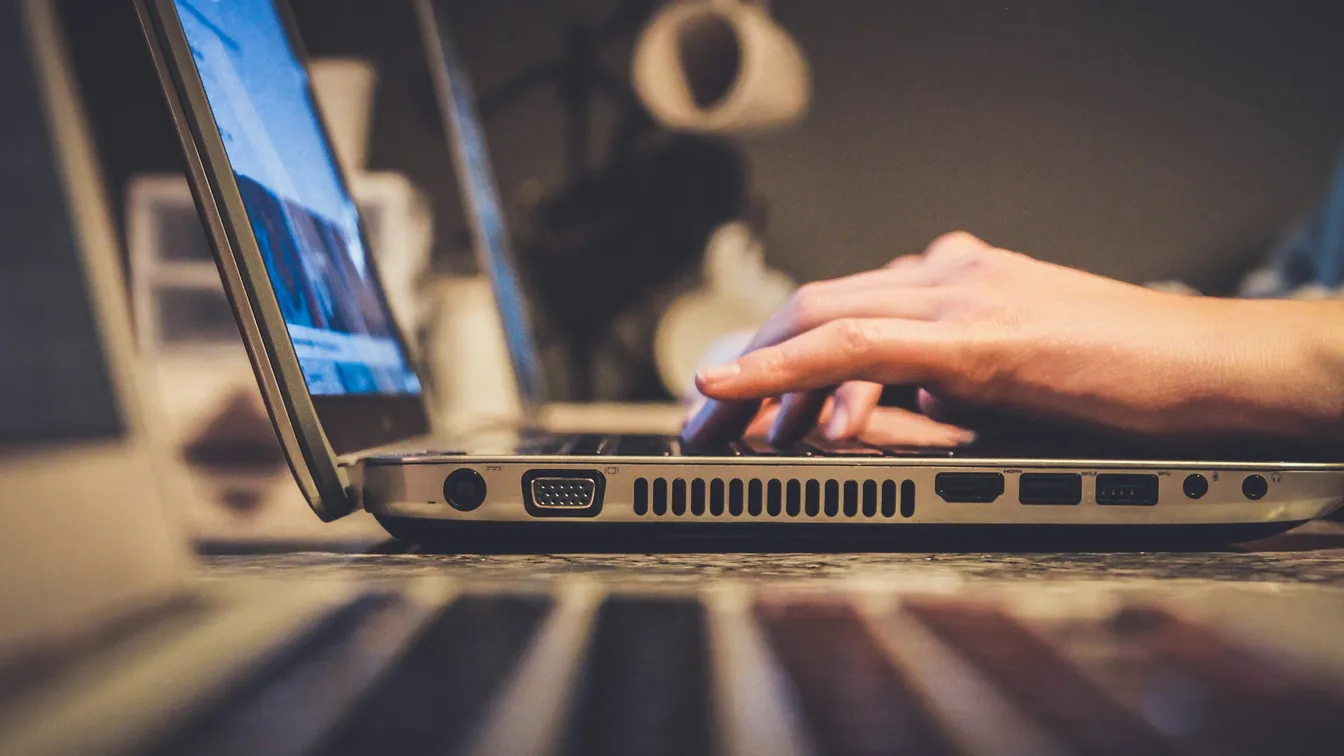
x,y
313,430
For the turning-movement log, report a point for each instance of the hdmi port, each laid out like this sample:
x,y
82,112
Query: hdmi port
x,y
968,487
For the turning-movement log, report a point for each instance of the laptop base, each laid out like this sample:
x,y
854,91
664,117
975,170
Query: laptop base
x,y
630,538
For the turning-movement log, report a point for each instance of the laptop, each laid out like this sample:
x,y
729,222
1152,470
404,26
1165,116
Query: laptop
x,y
351,413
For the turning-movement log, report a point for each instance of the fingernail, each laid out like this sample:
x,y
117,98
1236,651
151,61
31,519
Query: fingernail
x,y
718,373
839,424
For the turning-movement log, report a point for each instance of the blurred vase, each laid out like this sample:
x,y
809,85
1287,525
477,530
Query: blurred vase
x,y
344,88
712,324
473,381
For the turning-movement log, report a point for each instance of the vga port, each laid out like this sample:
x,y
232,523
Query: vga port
x,y
563,493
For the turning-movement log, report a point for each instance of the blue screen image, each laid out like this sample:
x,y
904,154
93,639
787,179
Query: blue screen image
x,y
305,222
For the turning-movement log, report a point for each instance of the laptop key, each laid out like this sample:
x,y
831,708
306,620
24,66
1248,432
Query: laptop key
x,y
710,450
587,444
918,451
644,446
755,447
543,445
824,447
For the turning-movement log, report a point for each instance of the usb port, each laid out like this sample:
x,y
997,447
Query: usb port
x,y
968,487
1050,488
1127,490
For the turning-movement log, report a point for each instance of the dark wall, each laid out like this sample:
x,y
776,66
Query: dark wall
x,y
1143,140
1139,139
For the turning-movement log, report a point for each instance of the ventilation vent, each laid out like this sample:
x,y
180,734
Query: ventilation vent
x,y
774,497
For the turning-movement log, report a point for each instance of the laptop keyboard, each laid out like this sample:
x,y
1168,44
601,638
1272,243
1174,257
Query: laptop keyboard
x,y
643,445
1004,444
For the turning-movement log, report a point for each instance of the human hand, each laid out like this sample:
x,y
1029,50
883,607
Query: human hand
x,y
978,327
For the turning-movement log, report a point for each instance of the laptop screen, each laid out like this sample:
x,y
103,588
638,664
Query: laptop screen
x,y
304,219
477,183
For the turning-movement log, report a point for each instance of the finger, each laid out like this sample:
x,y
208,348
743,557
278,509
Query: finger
x,y
719,421
760,425
821,304
854,404
879,351
943,408
951,247
907,264
861,296
946,409
850,297
990,421
872,284
798,414
933,265
914,271
891,426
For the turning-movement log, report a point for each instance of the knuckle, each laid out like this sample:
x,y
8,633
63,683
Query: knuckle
x,y
981,369
971,263
965,256
856,337
953,243
903,261
767,363
807,305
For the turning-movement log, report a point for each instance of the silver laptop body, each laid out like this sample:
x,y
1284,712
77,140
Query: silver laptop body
x,y
350,412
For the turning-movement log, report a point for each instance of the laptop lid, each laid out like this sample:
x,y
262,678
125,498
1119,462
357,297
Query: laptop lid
x,y
86,535
333,366
480,199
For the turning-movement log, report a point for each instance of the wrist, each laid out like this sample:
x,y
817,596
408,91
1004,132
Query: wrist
x,y
1284,372
1321,326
